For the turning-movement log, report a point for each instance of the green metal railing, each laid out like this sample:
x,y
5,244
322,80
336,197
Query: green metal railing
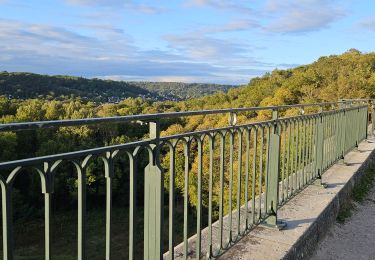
x,y
243,174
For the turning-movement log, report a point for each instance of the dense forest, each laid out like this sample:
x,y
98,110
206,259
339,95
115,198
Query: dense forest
x,y
20,85
349,75
182,91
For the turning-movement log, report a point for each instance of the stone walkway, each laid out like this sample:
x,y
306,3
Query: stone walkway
x,y
355,239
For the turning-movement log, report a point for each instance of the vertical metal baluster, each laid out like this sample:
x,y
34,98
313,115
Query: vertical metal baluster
x,y
296,163
288,173
172,173
334,143
231,151
329,125
319,145
6,204
81,182
212,147
132,203
337,138
239,184
301,153
247,172
358,128
372,117
109,172
221,205
253,181
311,148
261,171
315,138
307,149
328,156
324,142
329,120
296,153
47,189
186,198
283,169
292,154
308,157
332,139
300,150
335,133
47,224
267,168
199,197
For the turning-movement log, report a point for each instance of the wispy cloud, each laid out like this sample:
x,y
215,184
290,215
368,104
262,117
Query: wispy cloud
x,y
301,16
127,5
225,5
233,26
206,43
368,24
200,46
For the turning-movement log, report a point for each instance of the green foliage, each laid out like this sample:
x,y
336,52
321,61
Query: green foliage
x,y
350,75
182,91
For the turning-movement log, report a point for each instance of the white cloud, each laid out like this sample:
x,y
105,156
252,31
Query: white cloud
x,y
301,16
368,24
225,5
205,44
123,4
233,26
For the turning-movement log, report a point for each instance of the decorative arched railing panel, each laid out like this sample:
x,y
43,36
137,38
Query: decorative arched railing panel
x,y
227,179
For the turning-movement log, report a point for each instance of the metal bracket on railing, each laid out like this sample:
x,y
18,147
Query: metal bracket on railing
x,y
154,197
319,149
272,178
319,181
232,120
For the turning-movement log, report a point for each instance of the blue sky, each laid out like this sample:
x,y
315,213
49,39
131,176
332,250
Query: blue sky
x,y
189,40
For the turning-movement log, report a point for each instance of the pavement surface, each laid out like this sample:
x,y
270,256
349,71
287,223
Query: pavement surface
x,y
355,239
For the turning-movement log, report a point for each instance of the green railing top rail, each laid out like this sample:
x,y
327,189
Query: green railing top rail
x,y
152,117
112,148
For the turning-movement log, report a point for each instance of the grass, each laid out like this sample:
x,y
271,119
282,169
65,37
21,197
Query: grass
x,y
359,194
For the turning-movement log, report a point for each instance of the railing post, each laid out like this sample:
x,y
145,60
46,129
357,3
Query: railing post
x,y
7,223
319,148
372,117
153,218
272,191
343,132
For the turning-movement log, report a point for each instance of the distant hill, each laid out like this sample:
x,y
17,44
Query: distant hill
x,y
182,91
23,85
